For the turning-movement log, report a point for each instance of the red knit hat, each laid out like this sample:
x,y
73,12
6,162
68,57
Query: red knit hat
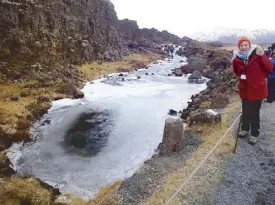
x,y
242,39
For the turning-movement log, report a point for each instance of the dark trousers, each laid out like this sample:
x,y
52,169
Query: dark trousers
x,y
251,116
271,89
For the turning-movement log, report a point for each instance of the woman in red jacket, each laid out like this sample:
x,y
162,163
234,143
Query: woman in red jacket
x,y
252,67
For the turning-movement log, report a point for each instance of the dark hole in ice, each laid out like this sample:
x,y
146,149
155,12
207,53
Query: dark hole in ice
x,y
89,134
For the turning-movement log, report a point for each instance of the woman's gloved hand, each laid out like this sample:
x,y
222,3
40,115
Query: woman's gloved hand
x,y
259,51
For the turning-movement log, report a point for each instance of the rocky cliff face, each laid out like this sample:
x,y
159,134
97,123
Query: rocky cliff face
x,y
54,31
134,37
38,35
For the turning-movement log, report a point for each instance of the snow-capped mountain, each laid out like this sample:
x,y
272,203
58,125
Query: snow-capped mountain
x,y
231,36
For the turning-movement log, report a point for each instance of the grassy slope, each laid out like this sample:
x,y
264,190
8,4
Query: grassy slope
x,y
96,69
17,191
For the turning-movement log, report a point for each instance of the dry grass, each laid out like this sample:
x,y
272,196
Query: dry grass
x,y
205,104
229,47
14,113
15,116
16,191
201,184
107,195
96,69
68,88
11,111
70,201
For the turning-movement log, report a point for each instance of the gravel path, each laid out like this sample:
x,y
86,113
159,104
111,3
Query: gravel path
x,y
249,178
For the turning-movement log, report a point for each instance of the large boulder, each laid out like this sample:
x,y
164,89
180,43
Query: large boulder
x,y
207,72
5,165
173,136
196,62
177,71
197,81
219,100
202,116
14,98
195,75
220,63
172,112
44,99
79,94
169,49
180,52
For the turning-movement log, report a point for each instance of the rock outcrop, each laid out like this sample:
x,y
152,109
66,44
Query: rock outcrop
x,y
48,32
38,36
173,137
205,116
5,165
216,96
177,71
204,58
144,39
212,63
196,77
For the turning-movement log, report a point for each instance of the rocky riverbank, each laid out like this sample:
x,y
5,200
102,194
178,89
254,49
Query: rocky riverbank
x,y
221,89
214,64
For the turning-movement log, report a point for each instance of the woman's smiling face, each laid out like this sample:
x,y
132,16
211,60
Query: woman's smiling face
x,y
244,47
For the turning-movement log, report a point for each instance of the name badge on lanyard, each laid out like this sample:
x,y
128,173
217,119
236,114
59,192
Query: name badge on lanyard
x,y
243,77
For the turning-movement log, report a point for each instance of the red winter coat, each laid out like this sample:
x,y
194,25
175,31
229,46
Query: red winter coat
x,y
257,69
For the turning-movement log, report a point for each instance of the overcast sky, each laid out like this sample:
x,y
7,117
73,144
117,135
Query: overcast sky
x,y
184,17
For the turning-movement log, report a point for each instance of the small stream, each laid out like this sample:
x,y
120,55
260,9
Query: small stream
x,y
83,144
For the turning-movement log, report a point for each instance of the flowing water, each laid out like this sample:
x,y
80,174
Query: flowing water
x,y
83,144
